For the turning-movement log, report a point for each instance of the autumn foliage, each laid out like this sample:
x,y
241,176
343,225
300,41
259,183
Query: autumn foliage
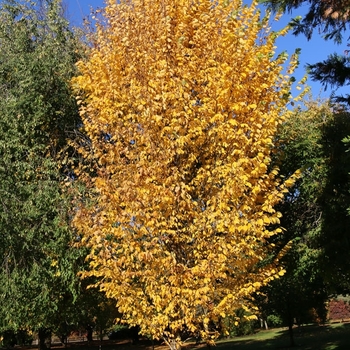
x,y
181,100
338,310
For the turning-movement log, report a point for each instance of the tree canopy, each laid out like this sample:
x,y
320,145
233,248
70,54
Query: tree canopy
x,y
37,113
181,101
301,293
314,214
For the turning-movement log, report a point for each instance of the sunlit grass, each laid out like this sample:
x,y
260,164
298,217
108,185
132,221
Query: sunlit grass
x,y
309,337
328,337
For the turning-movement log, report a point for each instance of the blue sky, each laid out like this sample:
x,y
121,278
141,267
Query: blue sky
x,y
312,51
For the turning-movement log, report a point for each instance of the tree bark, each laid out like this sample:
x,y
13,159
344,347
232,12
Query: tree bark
x,y
291,333
290,320
89,330
44,339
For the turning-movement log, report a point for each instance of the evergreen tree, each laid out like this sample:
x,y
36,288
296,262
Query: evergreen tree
x,y
331,18
314,215
37,113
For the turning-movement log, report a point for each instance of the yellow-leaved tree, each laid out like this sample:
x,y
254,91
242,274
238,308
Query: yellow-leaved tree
x,y
181,100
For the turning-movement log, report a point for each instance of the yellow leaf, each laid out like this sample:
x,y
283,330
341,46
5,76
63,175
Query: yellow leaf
x,y
180,102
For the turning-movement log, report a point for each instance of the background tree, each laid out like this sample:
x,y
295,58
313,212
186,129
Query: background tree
x,y
97,313
181,101
37,113
334,240
316,210
332,196
332,19
314,215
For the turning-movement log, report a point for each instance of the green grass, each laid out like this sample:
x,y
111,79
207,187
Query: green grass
x,y
311,337
328,337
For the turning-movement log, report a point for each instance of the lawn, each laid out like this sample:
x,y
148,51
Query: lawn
x,y
327,337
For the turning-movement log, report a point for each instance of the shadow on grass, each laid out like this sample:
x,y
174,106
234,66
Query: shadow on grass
x,y
327,337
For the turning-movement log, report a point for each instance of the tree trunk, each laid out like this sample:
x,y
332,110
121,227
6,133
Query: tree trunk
x,y
89,330
173,343
135,335
290,329
44,341
290,321
263,323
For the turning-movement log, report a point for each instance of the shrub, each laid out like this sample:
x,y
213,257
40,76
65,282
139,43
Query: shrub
x,y
274,321
338,310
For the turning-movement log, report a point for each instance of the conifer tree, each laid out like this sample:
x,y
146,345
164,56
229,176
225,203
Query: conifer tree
x,y
331,18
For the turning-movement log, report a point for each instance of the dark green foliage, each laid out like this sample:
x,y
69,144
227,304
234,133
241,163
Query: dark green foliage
x,y
37,114
331,18
335,239
96,310
334,71
315,216
274,321
315,211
